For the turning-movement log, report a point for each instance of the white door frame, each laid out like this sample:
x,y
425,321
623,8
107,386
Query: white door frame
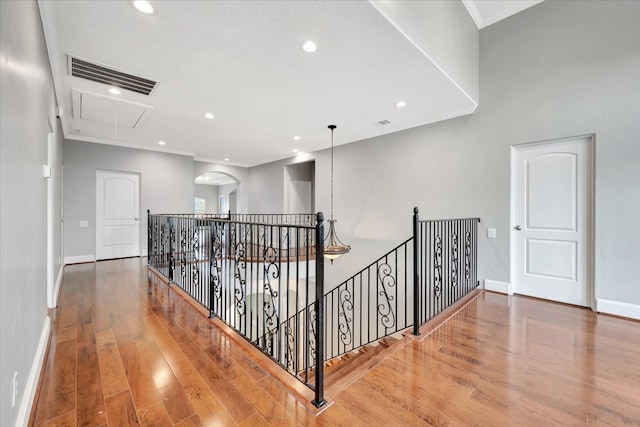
x,y
591,299
51,297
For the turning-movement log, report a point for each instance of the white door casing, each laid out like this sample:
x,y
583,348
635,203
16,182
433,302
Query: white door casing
x,y
51,280
117,214
551,220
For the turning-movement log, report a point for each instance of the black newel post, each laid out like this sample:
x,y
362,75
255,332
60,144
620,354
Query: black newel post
x,y
416,276
319,399
149,231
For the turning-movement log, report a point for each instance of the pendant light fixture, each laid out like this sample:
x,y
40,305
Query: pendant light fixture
x,y
333,246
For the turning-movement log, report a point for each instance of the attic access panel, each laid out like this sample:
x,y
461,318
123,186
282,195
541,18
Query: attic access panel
x,y
106,110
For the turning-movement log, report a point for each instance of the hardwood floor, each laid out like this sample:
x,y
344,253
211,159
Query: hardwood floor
x,y
126,350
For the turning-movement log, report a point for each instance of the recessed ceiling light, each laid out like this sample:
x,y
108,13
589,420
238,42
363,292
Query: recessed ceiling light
x,y
295,150
143,6
114,91
297,138
209,116
309,46
226,159
161,142
401,104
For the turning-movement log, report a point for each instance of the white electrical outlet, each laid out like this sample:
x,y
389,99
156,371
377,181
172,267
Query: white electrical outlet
x,y
84,223
14,394
491,233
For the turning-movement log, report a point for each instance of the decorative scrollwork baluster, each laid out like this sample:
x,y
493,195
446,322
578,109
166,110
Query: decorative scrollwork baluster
x,y
172,243
291,340
216,263
454,260
183,253
195,250
261,235
386,282
345,314
270,300
312,335
239,275
154,241
467,257
437,267
161,244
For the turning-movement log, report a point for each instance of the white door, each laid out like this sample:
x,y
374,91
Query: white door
x,y
551,224
117,214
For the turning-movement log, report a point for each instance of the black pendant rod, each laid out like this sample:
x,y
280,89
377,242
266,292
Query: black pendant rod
x,y
332,127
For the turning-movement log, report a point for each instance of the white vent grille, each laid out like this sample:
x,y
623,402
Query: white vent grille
x,y
110,76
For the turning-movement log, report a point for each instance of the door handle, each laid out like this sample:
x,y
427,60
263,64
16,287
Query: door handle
x,y
518,227
135,219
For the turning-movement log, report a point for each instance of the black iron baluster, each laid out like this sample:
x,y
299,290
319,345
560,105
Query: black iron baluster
x,y
149,237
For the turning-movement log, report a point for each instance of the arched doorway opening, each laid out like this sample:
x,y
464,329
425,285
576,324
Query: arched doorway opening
x,y
215,193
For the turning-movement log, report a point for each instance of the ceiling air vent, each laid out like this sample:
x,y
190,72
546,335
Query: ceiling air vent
x,y
383,122
109,76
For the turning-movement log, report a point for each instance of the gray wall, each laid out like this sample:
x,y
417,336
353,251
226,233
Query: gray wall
x,y
266,190
557,70
27,112
210,194
166,186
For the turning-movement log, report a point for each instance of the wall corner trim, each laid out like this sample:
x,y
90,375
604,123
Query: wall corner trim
x,y
79,259
26,402
618,308
496,286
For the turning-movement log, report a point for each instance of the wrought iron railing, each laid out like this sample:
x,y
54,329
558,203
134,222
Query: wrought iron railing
x,y
438,264
446,264
252,276
272,219
371,304
263,275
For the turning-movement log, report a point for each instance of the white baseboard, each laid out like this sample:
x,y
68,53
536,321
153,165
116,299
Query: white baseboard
x,y
79,259
496,286
56,288
617,308
26,403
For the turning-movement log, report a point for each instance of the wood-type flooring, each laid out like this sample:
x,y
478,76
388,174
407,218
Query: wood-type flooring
x,y
127,350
